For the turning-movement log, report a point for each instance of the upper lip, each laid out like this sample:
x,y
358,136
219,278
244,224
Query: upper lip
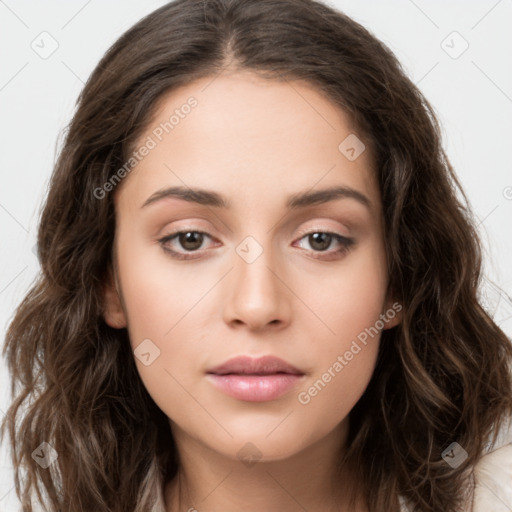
x,y
266,365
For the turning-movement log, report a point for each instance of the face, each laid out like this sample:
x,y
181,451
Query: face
x,y
265,264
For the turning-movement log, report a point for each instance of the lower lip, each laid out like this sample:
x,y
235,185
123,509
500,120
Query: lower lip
x,y
255,388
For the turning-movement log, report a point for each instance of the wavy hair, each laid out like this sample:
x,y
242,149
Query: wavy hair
x,y
442,375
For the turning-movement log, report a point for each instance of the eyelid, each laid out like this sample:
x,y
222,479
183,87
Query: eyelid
x,y
302,232
185,229
320,229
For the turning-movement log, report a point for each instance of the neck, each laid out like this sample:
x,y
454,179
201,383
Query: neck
x,y
311,479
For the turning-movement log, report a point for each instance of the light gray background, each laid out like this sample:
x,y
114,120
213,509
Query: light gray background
x,y
471,92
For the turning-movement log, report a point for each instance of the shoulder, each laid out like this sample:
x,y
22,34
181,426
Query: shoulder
x,y
493,475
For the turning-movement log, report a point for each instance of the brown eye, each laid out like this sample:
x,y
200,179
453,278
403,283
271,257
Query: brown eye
x,y
320,241
179,243
190,240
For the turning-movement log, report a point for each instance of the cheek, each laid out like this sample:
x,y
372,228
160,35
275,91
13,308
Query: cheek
x,y
158,293
345,354
162,304
349,297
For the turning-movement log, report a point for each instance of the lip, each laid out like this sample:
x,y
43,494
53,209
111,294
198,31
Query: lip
x,y
247,365
255,380
255,388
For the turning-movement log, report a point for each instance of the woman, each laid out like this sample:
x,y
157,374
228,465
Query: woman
x,y
258,287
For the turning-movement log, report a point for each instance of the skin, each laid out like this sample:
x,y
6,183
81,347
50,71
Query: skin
x,y
256,142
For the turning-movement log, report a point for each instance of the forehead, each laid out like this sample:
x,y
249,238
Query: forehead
x,y
253,138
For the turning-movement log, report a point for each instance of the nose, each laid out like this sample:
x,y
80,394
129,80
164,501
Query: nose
x,y
256,291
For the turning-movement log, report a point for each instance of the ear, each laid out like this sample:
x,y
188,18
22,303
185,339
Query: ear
x,y
392,314
113,311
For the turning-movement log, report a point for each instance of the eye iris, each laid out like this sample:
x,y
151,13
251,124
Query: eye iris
x,y
323,239
189,240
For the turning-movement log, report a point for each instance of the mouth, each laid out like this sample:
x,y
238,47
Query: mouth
x,y
255,380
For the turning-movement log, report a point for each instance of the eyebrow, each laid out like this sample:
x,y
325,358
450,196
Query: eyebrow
x,y
299,200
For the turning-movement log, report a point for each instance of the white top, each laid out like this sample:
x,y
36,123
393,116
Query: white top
x,y
492,478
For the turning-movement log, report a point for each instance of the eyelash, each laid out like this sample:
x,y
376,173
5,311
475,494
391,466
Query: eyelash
x,y
346,244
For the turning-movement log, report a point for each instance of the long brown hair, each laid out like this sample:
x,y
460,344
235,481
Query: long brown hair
x,y
442,375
